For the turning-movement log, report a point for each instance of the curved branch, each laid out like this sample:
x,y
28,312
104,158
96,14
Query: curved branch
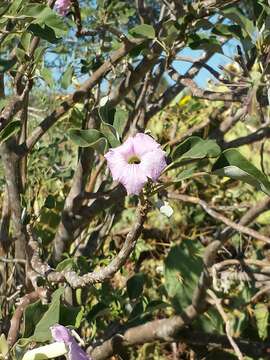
x,y
214,214
166,329
101,275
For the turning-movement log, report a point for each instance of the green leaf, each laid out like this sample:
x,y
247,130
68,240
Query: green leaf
x,y
45,32
6,65
262,315
90,137
183,266
143,31
195,148
25,40
44,15
233,164
14,6
66,78
46,74
243,21
71,315
51,317
110,134
120,121
66,264
227,30
32,315
135,285
9,130
106,113
210,322
204,42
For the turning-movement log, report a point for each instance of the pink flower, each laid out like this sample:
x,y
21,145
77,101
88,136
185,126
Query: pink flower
x,y
62,6
61,334
137,159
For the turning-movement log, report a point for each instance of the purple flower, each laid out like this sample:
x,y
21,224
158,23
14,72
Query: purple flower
x,y
137,159
62,6
61,334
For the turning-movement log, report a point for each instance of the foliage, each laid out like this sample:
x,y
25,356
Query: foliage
x,y
74,86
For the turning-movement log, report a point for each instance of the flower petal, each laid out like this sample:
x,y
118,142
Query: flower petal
x,y
116,163
62,334
133,178
76,353
153,163
126,149
143,143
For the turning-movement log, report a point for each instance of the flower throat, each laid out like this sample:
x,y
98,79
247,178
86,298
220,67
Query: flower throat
x,y
134,160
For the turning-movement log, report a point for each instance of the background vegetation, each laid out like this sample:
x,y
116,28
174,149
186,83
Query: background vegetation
x,y
194,75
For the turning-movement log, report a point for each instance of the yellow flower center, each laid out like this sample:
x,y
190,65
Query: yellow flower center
x,y
134,160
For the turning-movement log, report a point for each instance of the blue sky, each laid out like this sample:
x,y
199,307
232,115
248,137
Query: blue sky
x,y
229,50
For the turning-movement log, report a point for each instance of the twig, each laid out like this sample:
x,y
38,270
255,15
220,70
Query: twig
x,y
16,318
258,135
217,303
166,329
5,260
264,290
107,272
78,95
214,214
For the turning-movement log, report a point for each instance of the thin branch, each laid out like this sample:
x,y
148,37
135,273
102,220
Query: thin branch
x,y
75,280
166,329
18,313
258,135
12,261
206,94
217,303
214,214
78,95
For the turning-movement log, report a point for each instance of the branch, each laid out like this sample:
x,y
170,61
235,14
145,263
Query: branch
x,y
18,313
11,170
260,134
217,303
79,95
214,214
206,94
248,218
106,273
226,125
4,223
143,12
166,329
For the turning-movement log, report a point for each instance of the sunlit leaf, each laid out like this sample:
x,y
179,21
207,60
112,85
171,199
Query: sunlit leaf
x,y
233,164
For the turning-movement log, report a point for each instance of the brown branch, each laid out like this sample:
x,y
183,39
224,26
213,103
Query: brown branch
x,y
143,12
217,303
194,129
258,135
4,224
166,329
248,217
11,170
18,313
206,94
214,214
254,349
226,125
73,202
78,95
101,275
